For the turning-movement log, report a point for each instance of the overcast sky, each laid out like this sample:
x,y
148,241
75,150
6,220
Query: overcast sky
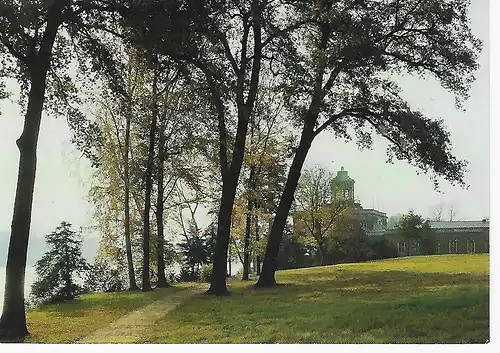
x,y
62,177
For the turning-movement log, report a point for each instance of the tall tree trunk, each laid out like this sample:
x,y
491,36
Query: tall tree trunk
x,y
322,253
231,172
229,262
230,176
266,278
146,284
13,320
128,243
246,246
160,249
248,225
257,238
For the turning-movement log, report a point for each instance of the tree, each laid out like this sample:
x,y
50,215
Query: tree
x,y
112,181
59,266
114,121
318,214
102,278
35,53
393,221
438,213
177,157
225,43
343,81
264,165
295,252
410,227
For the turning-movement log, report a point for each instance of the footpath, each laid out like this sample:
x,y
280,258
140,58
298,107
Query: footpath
x,y
131,327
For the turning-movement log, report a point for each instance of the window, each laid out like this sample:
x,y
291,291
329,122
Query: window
x,y
417,248
438,247
453,246
402,248
471,246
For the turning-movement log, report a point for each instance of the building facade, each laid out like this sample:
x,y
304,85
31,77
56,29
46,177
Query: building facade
x,y
453,237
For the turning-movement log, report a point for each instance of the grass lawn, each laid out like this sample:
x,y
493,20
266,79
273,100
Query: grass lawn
x,y
68,322
433,299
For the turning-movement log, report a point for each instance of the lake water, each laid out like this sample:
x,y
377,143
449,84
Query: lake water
x,y
30,278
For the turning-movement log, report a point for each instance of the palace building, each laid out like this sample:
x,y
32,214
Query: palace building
x,y
453,237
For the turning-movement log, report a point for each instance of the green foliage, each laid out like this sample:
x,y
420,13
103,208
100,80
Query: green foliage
x,y
346,78
60,266
101,278
206,272
294,253
382,248
195,251
414,227
409,225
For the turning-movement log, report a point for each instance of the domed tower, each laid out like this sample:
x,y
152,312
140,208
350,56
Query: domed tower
x,y
343,186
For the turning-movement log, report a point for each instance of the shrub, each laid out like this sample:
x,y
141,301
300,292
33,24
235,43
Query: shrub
x,y
188,275
206,273
101,278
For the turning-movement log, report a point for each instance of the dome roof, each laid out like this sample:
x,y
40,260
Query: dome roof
x,y
343,176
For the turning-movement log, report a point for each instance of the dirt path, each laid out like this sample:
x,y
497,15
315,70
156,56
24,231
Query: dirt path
x,y
130,328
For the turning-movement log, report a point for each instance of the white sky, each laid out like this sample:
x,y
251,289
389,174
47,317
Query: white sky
x,y
62,178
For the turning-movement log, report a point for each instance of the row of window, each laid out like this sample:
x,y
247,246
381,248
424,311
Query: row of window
x,y
452,247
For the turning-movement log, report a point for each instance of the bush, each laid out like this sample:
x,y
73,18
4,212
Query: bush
x,y
188,275
206,273
382,249
101,278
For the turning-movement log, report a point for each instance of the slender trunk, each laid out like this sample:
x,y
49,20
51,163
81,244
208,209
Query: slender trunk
x,y
230,182
257,238
248,225
229,262
322,253
266,278
146,284
128,243
246,247
160,249
231,172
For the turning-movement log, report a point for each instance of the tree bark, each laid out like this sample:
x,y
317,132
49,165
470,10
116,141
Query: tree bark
x,y
257,238
246,246
322,253
231,173
160,249
267,278
128,243
218,281
229,263
13,319
248,226
146,284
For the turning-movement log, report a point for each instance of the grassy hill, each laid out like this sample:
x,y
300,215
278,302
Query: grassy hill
x,y
431,299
